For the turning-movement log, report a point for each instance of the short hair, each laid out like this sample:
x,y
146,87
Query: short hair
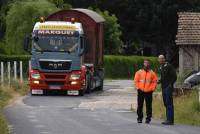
x,y
147,60
161,56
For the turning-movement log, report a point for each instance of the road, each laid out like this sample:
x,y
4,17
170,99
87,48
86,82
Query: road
x,y
106,112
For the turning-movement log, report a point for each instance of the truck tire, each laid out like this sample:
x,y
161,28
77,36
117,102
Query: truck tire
x,y
81,92
88,84
100,88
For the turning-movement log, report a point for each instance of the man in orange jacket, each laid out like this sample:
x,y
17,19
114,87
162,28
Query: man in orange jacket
x,y
145,82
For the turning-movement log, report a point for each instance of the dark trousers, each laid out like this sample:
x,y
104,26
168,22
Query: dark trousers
x,y
168,102
147,96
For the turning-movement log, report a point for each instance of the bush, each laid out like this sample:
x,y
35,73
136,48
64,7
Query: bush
x,y
15,57
116,67
125,66
20,21
18,58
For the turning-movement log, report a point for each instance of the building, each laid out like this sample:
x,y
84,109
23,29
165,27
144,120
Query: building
x,y
188,40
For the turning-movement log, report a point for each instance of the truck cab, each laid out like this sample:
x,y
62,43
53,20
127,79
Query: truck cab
x,y
59,57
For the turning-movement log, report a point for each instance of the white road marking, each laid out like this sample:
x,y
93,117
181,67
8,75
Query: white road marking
x,y
45,132
31,116
34,120
40,126
10,129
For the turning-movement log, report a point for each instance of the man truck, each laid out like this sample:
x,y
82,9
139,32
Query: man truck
x,y
67,52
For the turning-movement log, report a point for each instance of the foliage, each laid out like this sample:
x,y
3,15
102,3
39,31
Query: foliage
x,y
15,57
3,125
112,33
125,66
60,4
186,107
153,21
20,21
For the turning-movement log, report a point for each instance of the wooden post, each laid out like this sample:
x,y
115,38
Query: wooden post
x,y
196,60
8,65
2,73
29,65
21,72
15,70
181,54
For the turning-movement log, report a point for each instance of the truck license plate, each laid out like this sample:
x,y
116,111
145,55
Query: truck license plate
x,y
72,92
37,91
54,87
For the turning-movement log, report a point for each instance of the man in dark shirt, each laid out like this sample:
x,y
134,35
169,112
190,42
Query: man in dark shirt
x,y
168,78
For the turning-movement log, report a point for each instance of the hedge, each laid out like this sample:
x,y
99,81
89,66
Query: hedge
x,y
15,57
125,66
116,67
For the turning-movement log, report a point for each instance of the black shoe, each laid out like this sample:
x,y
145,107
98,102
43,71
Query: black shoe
x,y
168,123
139,121
148,121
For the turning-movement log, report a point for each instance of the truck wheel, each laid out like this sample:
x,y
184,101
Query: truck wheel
x,y
88,87
100,88
81,92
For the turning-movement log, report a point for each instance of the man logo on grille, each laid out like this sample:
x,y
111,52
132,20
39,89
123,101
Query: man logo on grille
x,y
55,65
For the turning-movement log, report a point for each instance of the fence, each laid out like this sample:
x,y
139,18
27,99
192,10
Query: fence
x,y
13,71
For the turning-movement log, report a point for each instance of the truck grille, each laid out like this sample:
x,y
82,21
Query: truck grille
x,y
55,76
58,83
58,65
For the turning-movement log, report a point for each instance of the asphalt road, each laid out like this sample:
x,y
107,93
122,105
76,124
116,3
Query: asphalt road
x,y
106,112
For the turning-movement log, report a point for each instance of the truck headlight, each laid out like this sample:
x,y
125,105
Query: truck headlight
x,y
75,77
35,76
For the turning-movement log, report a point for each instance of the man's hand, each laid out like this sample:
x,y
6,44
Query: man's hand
x,y
158,81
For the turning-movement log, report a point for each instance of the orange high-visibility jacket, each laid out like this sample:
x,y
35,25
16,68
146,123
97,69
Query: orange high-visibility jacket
x,y
145,81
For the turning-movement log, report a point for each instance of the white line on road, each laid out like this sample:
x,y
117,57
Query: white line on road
x,y
31,116
34,120
45,132
40,126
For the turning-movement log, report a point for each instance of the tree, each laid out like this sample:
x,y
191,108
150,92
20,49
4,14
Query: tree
x,y
20,21
60,4
112,33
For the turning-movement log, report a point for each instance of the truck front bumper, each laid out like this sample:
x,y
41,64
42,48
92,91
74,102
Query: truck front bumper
x,y
56,81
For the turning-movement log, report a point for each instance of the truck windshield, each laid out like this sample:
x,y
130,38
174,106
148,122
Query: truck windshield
x,y
55,43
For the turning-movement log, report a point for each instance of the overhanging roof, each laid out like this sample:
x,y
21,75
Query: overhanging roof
x,y
188,32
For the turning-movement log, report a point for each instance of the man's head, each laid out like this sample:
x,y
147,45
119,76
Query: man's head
x,y
146,64
161,59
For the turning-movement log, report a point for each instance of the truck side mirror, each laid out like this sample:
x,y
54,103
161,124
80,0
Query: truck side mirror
x,y
27,41
82,45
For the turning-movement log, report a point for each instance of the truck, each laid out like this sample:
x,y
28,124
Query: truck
x,y
66,52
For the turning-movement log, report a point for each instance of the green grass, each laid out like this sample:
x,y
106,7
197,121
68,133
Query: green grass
x,y
3,125
186,107
7,93
4,98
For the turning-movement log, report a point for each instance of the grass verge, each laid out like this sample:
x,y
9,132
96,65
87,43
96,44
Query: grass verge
x,y
186,108
7,95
